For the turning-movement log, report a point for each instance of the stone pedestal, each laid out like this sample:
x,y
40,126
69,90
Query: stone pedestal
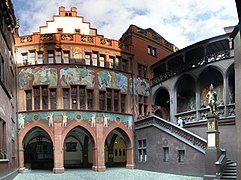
x,y
213,151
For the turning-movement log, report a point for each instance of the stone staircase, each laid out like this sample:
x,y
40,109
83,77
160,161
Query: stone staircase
x,y
230,171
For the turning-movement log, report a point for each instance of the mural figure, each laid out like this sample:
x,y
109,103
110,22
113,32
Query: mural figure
x,y
105,120
51,119
140,86
21,120
212,99
112,80
93,118
83,76
129,124
65,119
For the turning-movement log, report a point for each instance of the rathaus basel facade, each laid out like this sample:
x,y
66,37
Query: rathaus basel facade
x,y
79,93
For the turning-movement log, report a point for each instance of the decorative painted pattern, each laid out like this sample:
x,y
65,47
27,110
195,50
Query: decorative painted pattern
x,y
140,86
64,116
81,76
110,79
37,76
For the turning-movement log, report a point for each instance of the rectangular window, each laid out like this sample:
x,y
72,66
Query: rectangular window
x,y
144,71
166,154
116,100
13,148
151,51
40,57
2,69
145,105
53,99
117,62
102,100
181,154
111,62
66,57
36,91
50,57
32,57
139,69
140,104
142,152
44,97
125,66
123,103
82,97
74,97
28,100
58,56
3,147
87,58
25,59
66,98
90,99
94,59
109,100
102,60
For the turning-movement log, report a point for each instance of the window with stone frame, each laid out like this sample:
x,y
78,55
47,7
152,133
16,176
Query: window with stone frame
x,y
53,102
87,58
81,98
66,57
95,59
151,51
102,61
50,57
40,57
142,70
165,154
32,57
28,94
140,100
125,65
25,58
44,97
111,62
109,100
123,103
66,93
58,56
116,100
102,100
3,138
89,99
181,156
142,150
2,69
36,92
117,62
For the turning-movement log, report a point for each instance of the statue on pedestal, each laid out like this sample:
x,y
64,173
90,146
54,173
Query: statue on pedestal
x,y
212,100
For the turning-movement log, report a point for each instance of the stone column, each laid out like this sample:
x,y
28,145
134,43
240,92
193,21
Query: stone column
x,y
21,160
58,149
130,158
99,150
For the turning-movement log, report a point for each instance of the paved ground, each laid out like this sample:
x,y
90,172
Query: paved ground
x,y
109,174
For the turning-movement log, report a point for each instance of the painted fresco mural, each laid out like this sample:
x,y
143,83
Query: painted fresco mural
x,y
140,86
110,79
77,53
37,76
64,116
81,76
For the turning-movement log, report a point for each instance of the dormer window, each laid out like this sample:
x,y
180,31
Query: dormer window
x,y
68,14
60,30
77,31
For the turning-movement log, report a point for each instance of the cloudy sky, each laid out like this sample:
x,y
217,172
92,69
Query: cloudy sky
x,y
181,22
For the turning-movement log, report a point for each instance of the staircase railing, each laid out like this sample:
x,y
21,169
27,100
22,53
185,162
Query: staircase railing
x,y
221,163
178,132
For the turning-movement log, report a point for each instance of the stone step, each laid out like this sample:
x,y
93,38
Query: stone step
x,y
231,165
229,174
230,171
229,177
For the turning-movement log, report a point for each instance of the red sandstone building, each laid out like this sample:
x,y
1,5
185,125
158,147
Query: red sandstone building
x,y
8,94
79,93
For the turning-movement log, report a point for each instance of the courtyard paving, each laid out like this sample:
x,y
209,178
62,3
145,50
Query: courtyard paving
x,y
109,174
